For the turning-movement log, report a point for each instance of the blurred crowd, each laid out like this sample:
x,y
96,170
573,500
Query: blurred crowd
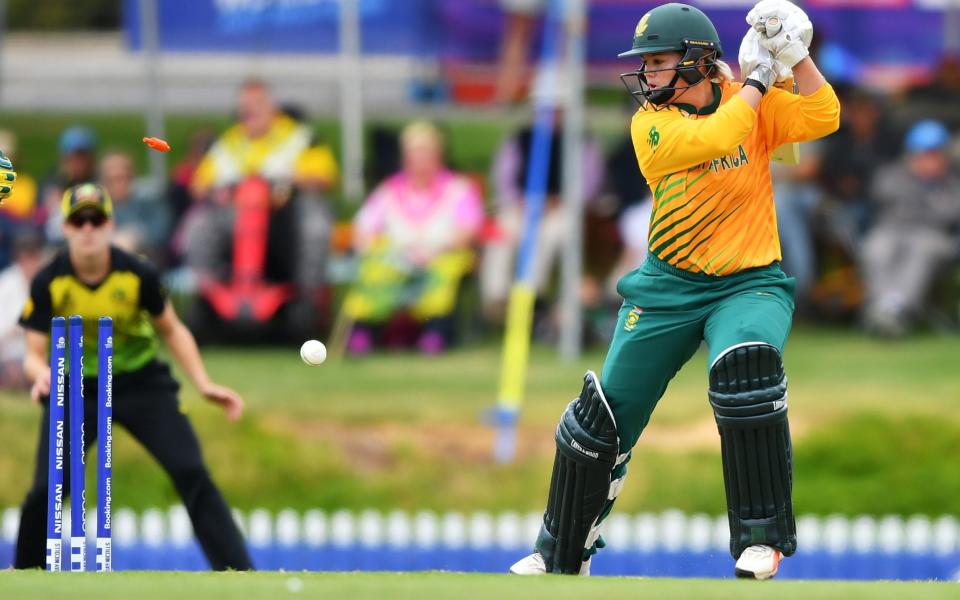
x,y
247,228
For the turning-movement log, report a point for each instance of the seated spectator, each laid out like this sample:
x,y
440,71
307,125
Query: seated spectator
x,y
509,174
600,300
180,194
797,199
414,236
937,97
865,142
142,221
915,235
269,145
628,195
28,256
78,164
634,228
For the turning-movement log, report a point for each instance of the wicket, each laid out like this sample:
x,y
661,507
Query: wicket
x,y
58,349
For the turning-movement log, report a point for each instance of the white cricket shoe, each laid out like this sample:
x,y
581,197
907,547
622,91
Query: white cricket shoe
x,y
533,565
758,562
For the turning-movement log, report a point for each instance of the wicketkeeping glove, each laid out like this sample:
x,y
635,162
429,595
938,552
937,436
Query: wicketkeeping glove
x,y
785,30
7,177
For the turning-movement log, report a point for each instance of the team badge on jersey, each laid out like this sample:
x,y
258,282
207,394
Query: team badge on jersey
x,y
632,318
653,138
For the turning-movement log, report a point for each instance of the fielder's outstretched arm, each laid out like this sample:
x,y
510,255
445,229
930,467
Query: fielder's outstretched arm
x,y
35,363
183,347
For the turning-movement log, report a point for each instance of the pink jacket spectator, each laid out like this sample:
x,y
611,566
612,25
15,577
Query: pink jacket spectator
x,y
421,223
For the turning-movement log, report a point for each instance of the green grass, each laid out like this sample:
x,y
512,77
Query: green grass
x,y
874,425
399,586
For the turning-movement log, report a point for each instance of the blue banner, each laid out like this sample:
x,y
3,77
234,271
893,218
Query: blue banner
x,y
284,26
870,32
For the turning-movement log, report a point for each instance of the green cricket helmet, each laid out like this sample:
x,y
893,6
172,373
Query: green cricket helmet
x,y
679,28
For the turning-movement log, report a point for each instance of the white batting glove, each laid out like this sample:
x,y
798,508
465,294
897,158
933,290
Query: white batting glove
x,y
753,56
785,30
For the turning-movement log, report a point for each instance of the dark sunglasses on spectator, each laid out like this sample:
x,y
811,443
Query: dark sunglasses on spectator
x,y
95,218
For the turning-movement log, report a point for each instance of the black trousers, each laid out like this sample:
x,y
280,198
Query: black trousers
x,y
145,403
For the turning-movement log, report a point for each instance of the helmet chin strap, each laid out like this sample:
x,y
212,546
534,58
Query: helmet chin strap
x,y
663,95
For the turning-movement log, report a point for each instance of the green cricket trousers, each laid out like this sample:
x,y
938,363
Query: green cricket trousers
x,y
666,314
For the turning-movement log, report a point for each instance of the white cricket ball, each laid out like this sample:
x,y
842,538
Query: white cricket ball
x,y
294,584
313,352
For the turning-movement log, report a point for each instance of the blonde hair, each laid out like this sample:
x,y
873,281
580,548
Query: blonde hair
x,y
721,72
421,131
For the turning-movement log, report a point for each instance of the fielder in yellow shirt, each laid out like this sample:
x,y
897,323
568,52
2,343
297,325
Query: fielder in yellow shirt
x,y
712,274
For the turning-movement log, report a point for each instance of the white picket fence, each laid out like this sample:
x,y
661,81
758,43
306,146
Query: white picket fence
x,y
669,531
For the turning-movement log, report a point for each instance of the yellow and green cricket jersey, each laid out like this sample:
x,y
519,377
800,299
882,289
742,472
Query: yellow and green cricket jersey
x,y
130,294
709,173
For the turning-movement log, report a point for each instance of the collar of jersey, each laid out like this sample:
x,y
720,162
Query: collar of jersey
x,y
91,286
706,110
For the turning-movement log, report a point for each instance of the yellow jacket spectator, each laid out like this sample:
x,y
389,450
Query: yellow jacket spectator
x,y
267,144
284,152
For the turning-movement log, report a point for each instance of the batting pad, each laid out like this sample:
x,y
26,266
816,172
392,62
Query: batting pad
x,y
748,392
580,487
